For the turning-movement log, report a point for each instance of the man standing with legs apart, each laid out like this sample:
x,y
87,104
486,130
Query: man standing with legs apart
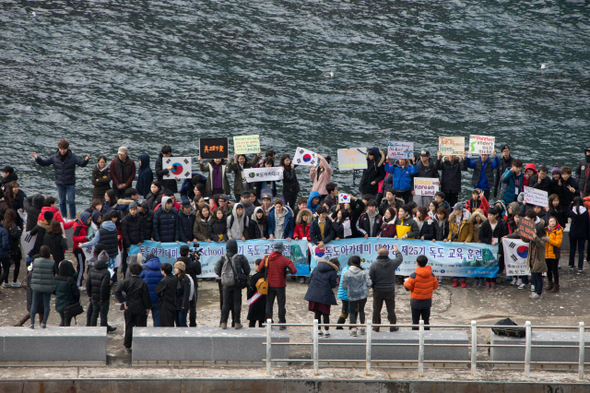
x,y
64,164
232,288
382,274
275,264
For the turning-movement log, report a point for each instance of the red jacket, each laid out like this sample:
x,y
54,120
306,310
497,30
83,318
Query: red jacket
x,y
301,234
484,205
80,232
56,216
277,263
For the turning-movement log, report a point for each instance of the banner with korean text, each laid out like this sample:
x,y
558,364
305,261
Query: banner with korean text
x,y
254,175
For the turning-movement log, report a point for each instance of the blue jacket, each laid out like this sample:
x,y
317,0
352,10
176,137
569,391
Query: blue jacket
x,y
342,293
312,195
4,242
402,177
166,228
145,176
483,174
321,281
65,174
152,276
509,178
289,225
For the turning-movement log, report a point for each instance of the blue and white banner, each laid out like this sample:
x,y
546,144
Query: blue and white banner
x,y
446,259
296,250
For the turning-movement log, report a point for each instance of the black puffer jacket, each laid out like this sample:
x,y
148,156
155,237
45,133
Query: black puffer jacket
x,y
429,170
504,164
290,182
451,174
33,206
147,222
217,227
166,224
375,172
169,184
131,230
583,175
101,180
186,223
109,238
65,171
98,283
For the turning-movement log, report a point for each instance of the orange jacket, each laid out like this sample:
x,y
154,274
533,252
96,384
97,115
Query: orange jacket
x,y
555,239
421,283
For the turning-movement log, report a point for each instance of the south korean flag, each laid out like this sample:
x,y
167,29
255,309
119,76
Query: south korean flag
x,y
305,157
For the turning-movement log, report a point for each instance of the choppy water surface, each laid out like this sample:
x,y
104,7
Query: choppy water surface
x,y
145,73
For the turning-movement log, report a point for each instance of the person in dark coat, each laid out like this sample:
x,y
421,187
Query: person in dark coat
x,y
256,301
483,171
450,180
101,178
166,291
193,269
64,165
136,300
382,274
166,222
147,221
217,226
132,228
374,173
505,163
233,292
107,236
184,294
168,184
237,167
291,186
154,197
152,275
98,288
33,206
122,171
319,237
66,291
15,198
42,284
56,242
145,176
426,168
320,294
579,231
40,230
186,223
8,175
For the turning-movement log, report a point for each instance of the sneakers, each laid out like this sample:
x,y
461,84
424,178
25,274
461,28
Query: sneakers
x,y
302,280
518,282
352,333
534,295
223,326
7,285
532,288
580,271
43,325
463,284
82,288
363,332
572,268
239,326
488,285
454,284
522,286
31,326
127,350
493,286
320,333
327,334
17,284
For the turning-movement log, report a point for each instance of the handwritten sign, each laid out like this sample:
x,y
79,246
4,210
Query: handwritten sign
x,y
263,174
454,145
479,144
353,158
213,148
426,186
305,157
515,253
246,144
536,197
526,228
344,198
181,167
400,150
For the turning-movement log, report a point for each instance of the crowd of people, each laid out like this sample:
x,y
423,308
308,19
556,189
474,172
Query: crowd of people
x,y
155,208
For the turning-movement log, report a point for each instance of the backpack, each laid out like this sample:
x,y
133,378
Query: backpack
x,y
229,276
509,331
262,283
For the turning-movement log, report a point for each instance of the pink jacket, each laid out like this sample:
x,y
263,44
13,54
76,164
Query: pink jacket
x,y
319,185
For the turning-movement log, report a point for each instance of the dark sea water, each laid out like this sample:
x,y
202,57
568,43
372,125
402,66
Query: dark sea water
x,y
146,73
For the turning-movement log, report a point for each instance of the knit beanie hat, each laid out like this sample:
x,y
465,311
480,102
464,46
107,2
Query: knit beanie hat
x,y
556,170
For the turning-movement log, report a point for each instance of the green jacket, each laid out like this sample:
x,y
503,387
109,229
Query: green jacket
x,y
42,276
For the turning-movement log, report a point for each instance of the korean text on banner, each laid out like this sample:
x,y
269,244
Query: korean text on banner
x,y
400,150
446,259
426,186
479,144
246,144
515,254
536,197
213,148
255,175
296,250
353,158
454,145
181,167
526,228
305,157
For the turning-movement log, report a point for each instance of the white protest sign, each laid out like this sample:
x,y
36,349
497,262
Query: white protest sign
x,y
400,150
255,175
426,186
353,158
305,157
343,198
454,145
479,144
181,167
515,253
246,144
536,197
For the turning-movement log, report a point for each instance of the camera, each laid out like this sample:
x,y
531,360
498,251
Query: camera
x,y
195,253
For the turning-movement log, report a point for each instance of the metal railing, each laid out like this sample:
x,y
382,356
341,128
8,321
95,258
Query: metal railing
x,y
421,344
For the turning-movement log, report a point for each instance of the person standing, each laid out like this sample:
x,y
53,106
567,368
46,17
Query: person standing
x,y
136,301
275,264
356,282
122,171
426,168
321,175
483,171
505,163
320,294
232,291
374,173
64,165
66,291
168,184
291,186
421,284
42,285
101,178
382,275
98,287
166,291
152,275
583,173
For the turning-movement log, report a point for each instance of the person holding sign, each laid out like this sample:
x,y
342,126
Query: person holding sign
x,y
483,171
402,172
169,184
240,163
374,173
290,183
535,259
426,168
217,182
451,167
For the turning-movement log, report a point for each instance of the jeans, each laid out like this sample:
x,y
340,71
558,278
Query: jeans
x,y
103,309
231,296
281,296
577,245
537,281
357,308
420,312
389,298
37,298
70,193
180,318
156,314
132,320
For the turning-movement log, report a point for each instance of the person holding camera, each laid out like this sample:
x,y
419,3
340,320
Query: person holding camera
x,y
193,269
234,269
